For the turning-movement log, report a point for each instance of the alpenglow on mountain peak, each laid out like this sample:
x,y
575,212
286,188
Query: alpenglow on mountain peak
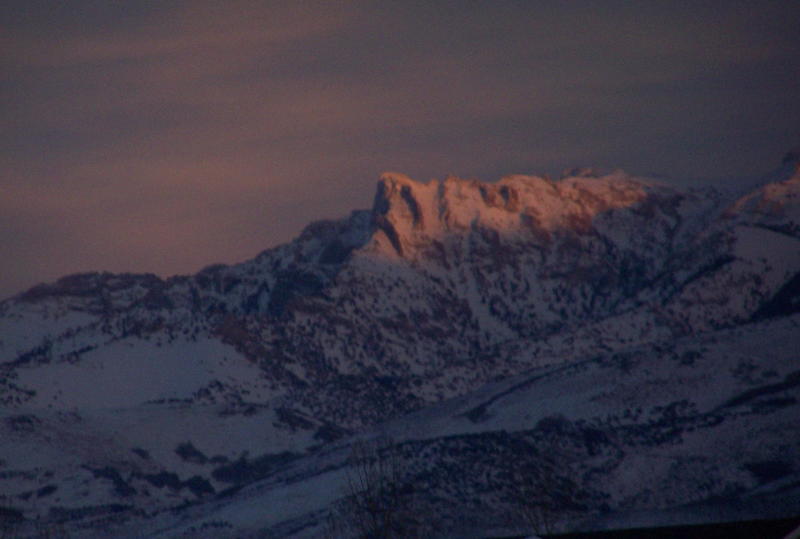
x,y
408,213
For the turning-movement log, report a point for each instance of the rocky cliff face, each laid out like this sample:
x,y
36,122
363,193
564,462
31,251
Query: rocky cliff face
x,y
435,291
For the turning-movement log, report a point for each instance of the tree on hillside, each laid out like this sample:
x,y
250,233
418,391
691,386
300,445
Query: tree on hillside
x,y
378,503
533,498
543,486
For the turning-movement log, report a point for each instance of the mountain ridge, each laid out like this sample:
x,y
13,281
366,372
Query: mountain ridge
x,y
437,291
575,191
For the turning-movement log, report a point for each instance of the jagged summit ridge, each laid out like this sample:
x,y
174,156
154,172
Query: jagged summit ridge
x,y
408,214
429,221
774,205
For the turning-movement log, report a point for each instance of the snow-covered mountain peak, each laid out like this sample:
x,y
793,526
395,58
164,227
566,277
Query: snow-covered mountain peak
x,y
776,203
410,215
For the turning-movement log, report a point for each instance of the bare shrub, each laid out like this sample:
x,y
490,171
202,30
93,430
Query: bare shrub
x,y
378,503
542,490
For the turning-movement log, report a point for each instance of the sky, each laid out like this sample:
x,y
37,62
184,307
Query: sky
x,y
160,136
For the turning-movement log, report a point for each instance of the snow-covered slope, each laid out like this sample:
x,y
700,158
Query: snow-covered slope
x,y
123,393
693,430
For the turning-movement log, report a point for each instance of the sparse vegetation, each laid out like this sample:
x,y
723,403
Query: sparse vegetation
x,y
378,503
18,527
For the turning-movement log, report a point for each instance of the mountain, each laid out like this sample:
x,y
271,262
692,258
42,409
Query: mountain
x,y
599,323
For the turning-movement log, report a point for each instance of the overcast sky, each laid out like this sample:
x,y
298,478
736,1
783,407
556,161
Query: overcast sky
x,y
165,136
